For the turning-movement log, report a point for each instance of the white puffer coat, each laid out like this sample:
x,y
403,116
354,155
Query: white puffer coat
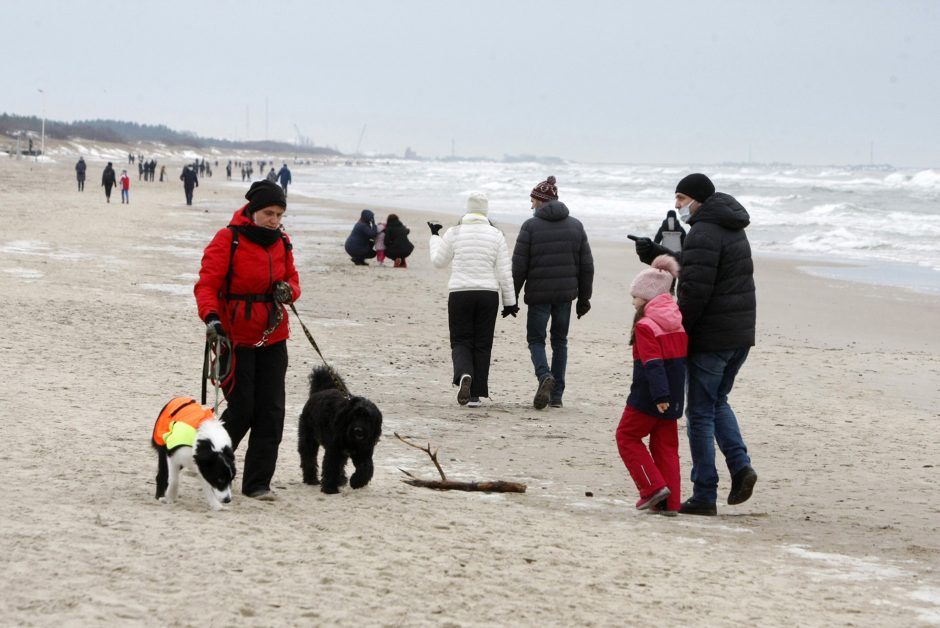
x,y
479,254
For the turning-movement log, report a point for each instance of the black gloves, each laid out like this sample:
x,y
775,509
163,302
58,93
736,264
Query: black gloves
x,y
582,307
214,329
647,250
510,310
434,227
643,247
282,292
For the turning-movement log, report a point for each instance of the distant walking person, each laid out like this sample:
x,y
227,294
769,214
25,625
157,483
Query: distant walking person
x,y
125,187
162,173
80,173
108,180
190,181
272,176
718,302
552,259
480,273
283,176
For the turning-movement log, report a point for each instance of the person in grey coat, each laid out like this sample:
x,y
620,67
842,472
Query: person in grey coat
x,y
552,260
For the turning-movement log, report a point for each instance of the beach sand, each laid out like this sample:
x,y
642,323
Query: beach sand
x,y
838,403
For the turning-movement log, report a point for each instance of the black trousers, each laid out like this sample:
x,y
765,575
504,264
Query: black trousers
x,y
256,404
189,194
472,318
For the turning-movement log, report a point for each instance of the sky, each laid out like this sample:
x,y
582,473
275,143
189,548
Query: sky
x,y
684,81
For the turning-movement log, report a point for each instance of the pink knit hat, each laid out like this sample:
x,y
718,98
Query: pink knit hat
x,y
655,280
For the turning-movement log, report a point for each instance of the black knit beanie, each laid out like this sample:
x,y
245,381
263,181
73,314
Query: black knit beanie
x,y
263,194
696,186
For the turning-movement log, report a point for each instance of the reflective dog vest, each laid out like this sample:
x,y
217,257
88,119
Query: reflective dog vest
x,y
178,421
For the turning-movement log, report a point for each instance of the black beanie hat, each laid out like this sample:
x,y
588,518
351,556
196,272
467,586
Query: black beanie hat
x,y
696,186
263,194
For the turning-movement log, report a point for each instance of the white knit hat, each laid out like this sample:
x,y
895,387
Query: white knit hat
x,y
478,203
655,280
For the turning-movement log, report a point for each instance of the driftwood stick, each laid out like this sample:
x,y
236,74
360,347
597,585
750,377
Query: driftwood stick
x,y
426,450
497,486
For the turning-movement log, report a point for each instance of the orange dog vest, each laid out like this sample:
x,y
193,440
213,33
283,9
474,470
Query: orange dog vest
x,y
178,421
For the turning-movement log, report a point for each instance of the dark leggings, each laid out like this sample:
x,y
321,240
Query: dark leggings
x,y
472,318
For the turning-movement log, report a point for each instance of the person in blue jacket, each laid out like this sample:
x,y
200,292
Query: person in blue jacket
x,y
360,243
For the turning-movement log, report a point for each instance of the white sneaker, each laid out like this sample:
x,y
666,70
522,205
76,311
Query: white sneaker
x,y
474,402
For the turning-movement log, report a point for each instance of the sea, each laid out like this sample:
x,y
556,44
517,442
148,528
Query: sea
x,y
878,224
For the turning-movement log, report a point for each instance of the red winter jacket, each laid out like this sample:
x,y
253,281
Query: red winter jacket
x,y
245,306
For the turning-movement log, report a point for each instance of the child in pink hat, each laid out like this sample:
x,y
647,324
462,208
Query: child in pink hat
x,y
655,402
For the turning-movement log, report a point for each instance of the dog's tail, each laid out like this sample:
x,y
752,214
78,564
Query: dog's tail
x,y
324,378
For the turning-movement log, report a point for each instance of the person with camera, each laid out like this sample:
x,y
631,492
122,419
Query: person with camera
x,y
247,276
480,272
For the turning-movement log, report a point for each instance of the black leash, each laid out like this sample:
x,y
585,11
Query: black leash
x,y
336,380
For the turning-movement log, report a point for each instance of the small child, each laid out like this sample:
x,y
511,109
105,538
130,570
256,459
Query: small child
x,y
125,187
660,345
380,244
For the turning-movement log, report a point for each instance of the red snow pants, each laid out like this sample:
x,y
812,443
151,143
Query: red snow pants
x,y
650,472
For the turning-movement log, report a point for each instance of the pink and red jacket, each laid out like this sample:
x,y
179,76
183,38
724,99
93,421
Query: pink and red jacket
x,y
659,359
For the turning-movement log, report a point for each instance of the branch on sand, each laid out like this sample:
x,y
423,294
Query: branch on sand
x,y
495,486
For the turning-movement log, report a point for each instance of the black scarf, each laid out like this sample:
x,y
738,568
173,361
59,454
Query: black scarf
x,y
260,235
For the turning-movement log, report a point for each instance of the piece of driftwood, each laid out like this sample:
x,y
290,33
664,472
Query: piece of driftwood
x,y
494,486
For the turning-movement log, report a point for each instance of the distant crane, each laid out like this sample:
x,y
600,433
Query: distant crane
x,y
359,143
302,140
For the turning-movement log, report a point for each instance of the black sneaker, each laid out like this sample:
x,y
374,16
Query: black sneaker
x,y
463,393
544,392
693,507
742,485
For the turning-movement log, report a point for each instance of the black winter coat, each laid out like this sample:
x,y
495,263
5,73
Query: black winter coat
x,y
397,244
552,257
108,179
189,178
716,282
360,241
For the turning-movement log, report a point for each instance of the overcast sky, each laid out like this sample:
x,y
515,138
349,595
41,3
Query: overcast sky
x,y
811,82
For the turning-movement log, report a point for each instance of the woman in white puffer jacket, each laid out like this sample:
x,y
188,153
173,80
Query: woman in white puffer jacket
x,y
481,270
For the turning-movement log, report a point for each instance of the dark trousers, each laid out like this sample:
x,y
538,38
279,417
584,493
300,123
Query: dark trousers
x,y
256,403
81,184
189,194
472,318
107,191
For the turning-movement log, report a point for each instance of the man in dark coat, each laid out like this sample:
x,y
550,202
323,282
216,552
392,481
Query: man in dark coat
x,y
190,181
552,259
283,175
108,180
719,313
80,168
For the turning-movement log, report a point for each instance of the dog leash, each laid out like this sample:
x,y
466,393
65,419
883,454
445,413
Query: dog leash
x,y
336,380
212,368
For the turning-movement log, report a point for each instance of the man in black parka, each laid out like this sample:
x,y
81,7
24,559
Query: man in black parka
x,y
719,311
552,259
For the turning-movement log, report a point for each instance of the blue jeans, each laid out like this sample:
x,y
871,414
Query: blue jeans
x,y
710,419
536,325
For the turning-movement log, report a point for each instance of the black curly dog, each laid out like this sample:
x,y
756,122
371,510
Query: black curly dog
x,y
345,428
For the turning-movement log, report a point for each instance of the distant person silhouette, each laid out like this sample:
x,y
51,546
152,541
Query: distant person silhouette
x,y
283,176
671,234
80,173
108,180
190,181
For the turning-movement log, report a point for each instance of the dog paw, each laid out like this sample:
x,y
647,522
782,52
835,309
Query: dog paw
x,y
357,482
329,490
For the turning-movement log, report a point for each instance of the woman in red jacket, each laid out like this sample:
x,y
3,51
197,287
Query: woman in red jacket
x,y
247,275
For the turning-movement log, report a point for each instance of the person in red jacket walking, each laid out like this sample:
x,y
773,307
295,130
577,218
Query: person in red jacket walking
x,y
247,276
660,345
125,187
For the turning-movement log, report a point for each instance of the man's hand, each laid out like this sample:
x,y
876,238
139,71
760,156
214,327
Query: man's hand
x,y
582,307
434,227
510,310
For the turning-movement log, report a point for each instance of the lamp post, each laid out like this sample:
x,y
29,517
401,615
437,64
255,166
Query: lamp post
x,y
43,144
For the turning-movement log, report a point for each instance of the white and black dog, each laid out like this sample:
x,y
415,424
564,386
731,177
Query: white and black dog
x,y
187,435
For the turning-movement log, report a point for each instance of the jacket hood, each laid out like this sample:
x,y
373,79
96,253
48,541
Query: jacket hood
x,y
723,210
553,211
241,218
367,215
664,312
473,218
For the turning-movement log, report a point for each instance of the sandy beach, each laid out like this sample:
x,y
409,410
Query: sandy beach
x,y
838,403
